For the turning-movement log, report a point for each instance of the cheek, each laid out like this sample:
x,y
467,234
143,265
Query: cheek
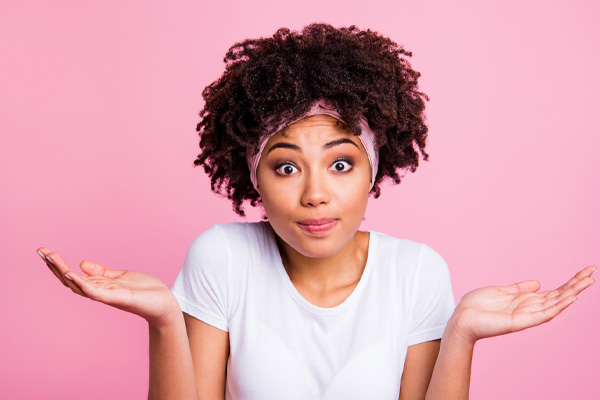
x,y
278,202
353,199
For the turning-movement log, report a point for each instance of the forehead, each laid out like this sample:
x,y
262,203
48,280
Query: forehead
x,y
316,128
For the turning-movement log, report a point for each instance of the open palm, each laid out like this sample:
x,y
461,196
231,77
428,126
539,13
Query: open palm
x,y
497,310
131,291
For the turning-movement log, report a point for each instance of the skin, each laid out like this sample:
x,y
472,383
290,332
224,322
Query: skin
x,y
323,172
301,179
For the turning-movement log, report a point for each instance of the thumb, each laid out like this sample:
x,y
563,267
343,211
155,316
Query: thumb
x,y
93,269
531,286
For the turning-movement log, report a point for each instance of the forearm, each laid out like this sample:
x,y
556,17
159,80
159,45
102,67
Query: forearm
x,y
452,372
171,368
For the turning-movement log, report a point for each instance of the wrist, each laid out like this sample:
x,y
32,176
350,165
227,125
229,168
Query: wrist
x,y
457,333
171,317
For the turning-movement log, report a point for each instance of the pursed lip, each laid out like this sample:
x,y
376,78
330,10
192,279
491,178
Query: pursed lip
x,y
319,225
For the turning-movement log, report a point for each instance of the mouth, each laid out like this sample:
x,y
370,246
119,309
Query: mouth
x,y
318,226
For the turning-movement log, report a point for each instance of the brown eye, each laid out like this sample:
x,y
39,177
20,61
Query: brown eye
x,y
286,169
341,166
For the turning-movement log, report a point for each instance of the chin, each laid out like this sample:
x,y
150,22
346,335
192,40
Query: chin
x,y
320,247
318,252
317,245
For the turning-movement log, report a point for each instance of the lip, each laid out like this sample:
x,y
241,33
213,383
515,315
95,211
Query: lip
x,y
318,226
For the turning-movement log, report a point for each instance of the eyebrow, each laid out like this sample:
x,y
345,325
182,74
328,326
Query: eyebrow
x,y
338,142
283,145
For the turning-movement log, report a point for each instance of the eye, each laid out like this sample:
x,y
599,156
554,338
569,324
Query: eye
x,y
286,169
341,165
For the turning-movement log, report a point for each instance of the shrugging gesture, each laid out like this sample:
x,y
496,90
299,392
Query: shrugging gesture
x,y
131,291
497,310
171,368
493,311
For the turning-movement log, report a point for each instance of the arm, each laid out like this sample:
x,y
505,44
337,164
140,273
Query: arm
x,y
452,373
493,311
210,351
418,367
171,367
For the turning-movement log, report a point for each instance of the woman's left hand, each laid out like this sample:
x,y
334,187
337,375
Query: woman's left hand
x,y
497,310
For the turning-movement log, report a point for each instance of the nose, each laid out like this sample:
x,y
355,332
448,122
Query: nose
x,y
315,190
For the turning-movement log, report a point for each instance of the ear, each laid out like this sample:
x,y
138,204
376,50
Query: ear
x,y
258,189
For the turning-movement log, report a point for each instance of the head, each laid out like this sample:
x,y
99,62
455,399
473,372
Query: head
x,y
270,82
314,180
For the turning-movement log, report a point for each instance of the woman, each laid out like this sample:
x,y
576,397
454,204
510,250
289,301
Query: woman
x,y
305,305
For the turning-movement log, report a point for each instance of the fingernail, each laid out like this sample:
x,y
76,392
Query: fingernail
x,y
594,272
41,255
68,277
49,260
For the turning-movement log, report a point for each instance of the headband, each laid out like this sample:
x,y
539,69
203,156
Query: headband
x,y
321,107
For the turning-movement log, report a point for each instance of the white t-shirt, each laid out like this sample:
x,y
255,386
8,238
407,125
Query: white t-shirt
x,y
282,346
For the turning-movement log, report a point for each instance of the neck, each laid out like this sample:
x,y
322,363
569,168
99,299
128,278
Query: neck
x,y
324,274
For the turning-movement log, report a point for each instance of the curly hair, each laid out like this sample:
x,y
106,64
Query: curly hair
x,y
271,80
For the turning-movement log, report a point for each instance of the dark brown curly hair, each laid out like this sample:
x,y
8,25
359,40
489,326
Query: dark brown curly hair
x,y
270,80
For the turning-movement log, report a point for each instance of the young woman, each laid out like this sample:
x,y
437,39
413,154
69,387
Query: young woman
x,y
305,305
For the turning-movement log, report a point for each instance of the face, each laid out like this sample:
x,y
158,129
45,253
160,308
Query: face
x,y
314,182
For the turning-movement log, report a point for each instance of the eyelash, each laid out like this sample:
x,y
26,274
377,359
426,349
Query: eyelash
x,y
284,164
348,161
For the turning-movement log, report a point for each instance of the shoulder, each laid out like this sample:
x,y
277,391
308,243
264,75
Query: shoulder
x,y
410,263
222,237
233,229
405,251
235,244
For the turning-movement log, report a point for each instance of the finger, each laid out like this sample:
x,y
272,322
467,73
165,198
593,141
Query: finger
x,y
72,285
65,280
576,288
57,262
57,274
588,271
92,290
44,254
522,287
42,251
551,312
93,269
87,287
544,315
59,268
573,291
584,273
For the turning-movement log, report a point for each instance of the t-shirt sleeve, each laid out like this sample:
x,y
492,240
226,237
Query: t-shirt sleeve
x,y
432,298
201,286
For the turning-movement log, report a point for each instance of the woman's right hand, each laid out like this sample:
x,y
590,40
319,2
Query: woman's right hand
x,y
131,291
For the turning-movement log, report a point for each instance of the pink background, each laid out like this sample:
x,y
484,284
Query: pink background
x,y
99,104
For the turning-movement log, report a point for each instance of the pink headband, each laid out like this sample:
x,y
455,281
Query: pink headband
x,y
321,107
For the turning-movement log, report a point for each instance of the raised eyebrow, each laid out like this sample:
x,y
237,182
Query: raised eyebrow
x,y
283,145
338,142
